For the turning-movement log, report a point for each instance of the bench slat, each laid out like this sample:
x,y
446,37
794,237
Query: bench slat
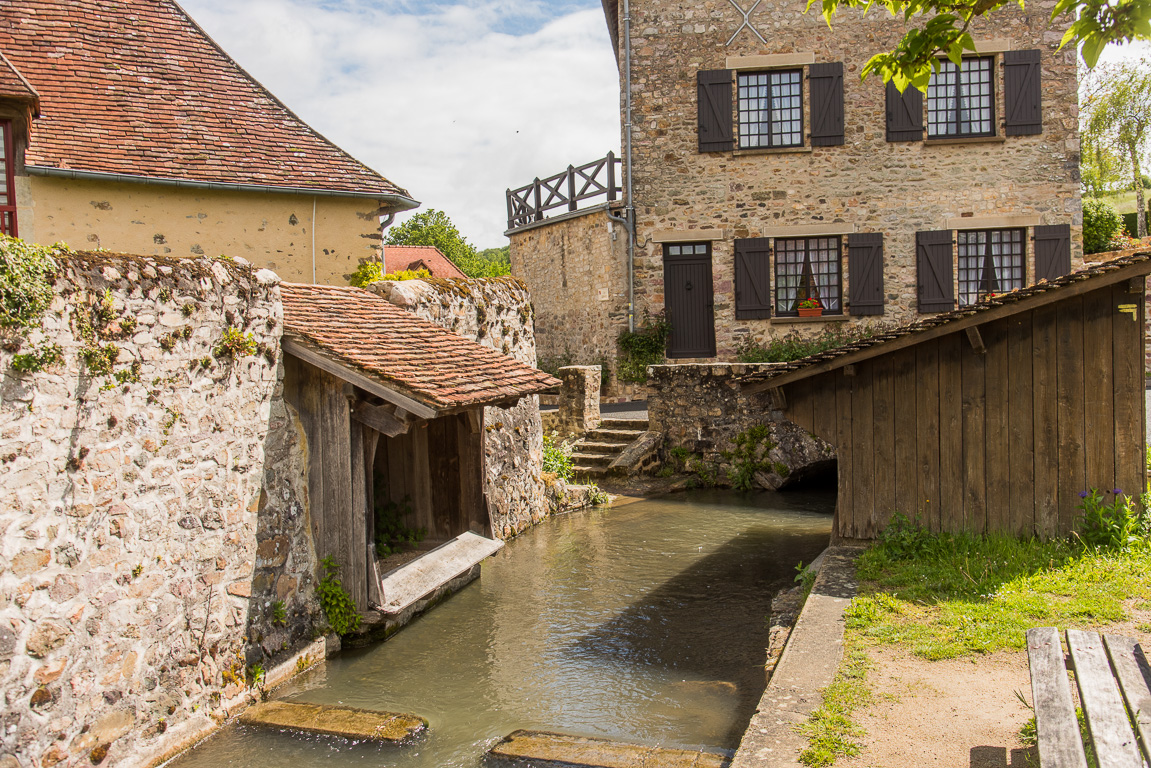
x,y
1111,735
1134,674
1055,723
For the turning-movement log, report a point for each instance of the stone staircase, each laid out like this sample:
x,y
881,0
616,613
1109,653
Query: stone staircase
x,y
595,451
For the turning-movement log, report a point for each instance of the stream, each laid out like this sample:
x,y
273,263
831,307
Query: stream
x,y
644,623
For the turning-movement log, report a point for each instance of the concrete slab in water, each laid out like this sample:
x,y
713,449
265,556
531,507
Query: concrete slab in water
x,y
548,750
410,582
335,721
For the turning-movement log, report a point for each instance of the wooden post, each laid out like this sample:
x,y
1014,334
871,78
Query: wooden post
x,y
539,200
511,209
610,176
571,188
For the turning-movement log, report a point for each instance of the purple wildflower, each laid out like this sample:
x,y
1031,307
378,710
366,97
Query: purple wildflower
x,y
1118,491
1083,494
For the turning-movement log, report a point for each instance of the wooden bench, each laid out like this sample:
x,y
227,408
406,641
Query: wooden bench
x,y
1114,679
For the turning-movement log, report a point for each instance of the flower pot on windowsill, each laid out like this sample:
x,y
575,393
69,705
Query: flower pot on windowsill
x,y
810,311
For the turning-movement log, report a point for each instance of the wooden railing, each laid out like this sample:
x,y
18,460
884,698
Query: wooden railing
x,y
528,204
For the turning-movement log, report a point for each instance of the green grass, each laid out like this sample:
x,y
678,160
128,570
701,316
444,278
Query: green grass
x,y
830,730
1124,202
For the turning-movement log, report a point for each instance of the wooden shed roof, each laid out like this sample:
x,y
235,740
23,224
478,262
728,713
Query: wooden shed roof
x,y
1093,276
355,334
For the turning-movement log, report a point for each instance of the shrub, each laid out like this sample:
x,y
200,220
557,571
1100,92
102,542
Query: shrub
x,y
792,346
642,347
26,274
1100,224
366,274
339,609
558,458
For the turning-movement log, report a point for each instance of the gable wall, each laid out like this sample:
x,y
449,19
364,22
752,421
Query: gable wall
x,y
894,188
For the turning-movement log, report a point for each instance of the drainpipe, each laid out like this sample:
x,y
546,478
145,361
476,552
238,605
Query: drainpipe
x,y
628,222
313,240
384,225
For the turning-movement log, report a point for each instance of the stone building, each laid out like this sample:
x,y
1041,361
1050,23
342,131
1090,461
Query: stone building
x,y
764,171
125,127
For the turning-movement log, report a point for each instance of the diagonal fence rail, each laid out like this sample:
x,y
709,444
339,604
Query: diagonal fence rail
x,y
568,189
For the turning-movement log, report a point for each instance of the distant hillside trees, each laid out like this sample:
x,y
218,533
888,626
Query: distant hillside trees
x,y
434,227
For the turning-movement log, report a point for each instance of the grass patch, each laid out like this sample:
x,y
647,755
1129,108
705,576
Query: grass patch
x,y
831,732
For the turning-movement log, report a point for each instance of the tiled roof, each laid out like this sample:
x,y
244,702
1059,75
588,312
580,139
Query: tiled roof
x,y
400,257
1094,270
417,358
12,83
136,87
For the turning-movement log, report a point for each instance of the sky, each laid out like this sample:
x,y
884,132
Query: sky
x,y
454,100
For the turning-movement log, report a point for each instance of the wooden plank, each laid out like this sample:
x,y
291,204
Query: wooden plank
x,y
355,575
906,468
1046,421
960,324
1020,426
863,455
471,450
824,416
399,455
974,394
844,504
801,407
1130,402
1099,427
335,426
374,445
420,479
883,437
950,507
927,432
1069,407
1055,721
1111,734
996,440
1134,675
381,418
444,468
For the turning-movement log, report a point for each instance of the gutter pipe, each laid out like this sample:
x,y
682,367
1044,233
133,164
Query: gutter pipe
x,y
629,223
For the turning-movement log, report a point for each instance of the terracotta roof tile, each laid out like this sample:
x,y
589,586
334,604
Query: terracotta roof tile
x,y
418,358
399,257
13,85
136,87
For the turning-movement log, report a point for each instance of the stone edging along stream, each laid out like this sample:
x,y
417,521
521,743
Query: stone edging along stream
x,y
809,663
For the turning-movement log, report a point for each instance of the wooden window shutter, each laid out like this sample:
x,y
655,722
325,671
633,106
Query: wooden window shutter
x,y
826,104
753,278
1052,251
935,272
1022,93
904,114
865,273
713,87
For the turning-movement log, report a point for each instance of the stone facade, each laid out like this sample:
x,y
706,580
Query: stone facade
x,y
494,312
579,399
865,185
130,526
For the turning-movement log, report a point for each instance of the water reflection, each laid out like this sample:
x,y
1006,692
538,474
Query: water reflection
x,y
644,623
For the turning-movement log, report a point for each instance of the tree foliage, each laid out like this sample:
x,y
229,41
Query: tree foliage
x,y
1092,24
434,227
1116,118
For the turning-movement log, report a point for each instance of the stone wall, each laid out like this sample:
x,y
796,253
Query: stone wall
x,y
495,312
132,508
867,183
575,269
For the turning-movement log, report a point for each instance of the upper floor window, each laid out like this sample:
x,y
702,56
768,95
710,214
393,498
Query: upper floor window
x,y
808,268
961,99
7,181
771,109
989,261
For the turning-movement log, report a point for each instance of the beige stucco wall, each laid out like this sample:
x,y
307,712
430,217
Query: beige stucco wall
x,y
868,183
269,230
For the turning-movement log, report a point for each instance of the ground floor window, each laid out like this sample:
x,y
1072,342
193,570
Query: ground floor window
x,y
990,261
808,268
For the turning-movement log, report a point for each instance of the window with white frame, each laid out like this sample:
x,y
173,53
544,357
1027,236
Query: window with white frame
x,y
771,108
808,268
990,261
961,99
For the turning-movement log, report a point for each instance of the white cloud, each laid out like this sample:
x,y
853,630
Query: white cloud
x,y
439,98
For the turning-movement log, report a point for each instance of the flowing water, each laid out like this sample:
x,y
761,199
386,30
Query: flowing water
x,y
644,623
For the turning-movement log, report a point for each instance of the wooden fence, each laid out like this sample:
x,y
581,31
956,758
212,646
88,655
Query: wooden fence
x,y
568,189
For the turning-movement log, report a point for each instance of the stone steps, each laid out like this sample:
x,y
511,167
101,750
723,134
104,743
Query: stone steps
x,y
594,453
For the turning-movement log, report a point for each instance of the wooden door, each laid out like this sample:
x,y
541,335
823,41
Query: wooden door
x,y
688,299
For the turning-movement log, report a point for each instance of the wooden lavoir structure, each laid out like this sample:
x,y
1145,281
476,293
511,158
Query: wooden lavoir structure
x,y
393,404
993,417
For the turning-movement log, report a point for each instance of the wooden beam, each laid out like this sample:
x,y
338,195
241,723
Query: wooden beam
x,y
475,419
379,418
776,399
367,383
976,340
962,324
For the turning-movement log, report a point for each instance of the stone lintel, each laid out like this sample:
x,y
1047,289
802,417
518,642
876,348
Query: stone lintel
x,y
687,235
806,230
987,45
994,222
335,721
770,60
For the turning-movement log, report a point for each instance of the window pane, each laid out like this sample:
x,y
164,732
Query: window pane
x,y
808,268
960,99
990,261
771,109
789,260
823,256
972,248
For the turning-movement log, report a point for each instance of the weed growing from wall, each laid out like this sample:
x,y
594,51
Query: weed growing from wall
x,y
235,344
558,458
338,606
750,457
39,359
792,346
642,347
27,272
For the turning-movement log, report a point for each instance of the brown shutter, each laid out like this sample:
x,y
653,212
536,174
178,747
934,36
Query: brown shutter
x,y
904,114
713,89
933,265
753,278
865,273
826,104
1022,93
1052,251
